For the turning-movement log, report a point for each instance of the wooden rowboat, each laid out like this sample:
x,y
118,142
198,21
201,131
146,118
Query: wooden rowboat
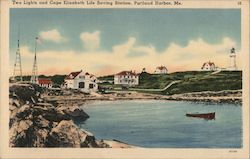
x,y
208,116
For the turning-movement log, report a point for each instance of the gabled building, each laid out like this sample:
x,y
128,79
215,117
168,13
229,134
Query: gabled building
x,y
45,82
81,80
161,70
208,66
128,78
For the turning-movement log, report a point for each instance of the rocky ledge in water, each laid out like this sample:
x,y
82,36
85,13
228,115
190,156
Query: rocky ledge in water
x,y
35,123
226,96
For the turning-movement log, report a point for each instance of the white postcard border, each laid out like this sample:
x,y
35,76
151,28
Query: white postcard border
x,y
7,152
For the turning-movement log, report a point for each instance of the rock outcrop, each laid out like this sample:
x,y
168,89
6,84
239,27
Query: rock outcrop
x,y
66,134
34,123
73,112
114,144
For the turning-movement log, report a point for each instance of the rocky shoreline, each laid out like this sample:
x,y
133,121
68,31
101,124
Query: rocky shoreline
x,y
227,96
37,123
40,120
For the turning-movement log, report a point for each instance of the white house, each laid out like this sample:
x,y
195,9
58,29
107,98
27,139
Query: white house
x,y
126,78
161,70
208,66
45,82
81,80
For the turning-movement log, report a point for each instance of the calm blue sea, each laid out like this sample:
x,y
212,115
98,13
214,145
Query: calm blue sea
x,y
163,124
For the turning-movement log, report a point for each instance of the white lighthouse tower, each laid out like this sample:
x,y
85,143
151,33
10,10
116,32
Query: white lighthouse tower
x,y
232,66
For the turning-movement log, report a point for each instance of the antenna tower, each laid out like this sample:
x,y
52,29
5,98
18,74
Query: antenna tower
x,y
34,76
17,74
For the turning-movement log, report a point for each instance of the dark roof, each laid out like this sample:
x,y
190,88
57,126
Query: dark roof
x,y
209,63
162,67
127,73
73,75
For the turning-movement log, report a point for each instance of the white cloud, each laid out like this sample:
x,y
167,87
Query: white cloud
x,y
91,41
52,35
175,57
198,51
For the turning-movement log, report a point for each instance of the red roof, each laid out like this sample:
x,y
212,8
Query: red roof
x,y
73,75
127,73
161,68
44,81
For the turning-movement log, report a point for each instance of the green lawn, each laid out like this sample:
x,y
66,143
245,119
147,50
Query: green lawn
x,y
226,80
191,81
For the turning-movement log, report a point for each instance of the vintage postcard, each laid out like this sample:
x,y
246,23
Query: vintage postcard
x,y
124,79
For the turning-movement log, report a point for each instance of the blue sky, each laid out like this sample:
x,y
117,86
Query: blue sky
x,y
157,28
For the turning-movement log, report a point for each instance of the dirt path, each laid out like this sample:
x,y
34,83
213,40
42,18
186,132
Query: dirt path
x,y
156,90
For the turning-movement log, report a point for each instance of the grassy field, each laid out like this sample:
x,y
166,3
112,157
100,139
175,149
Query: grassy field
x,y
226,80
190,81
159,81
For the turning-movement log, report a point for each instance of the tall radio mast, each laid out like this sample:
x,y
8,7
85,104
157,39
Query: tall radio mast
x,y
34,76
17,74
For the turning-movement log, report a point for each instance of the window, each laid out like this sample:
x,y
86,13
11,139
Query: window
x,y
81,84
82,77
91,86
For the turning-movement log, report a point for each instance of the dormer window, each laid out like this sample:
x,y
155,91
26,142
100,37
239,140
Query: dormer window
x,y
82,77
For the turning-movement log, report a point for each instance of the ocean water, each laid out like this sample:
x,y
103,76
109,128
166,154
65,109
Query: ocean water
x,y
163,124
